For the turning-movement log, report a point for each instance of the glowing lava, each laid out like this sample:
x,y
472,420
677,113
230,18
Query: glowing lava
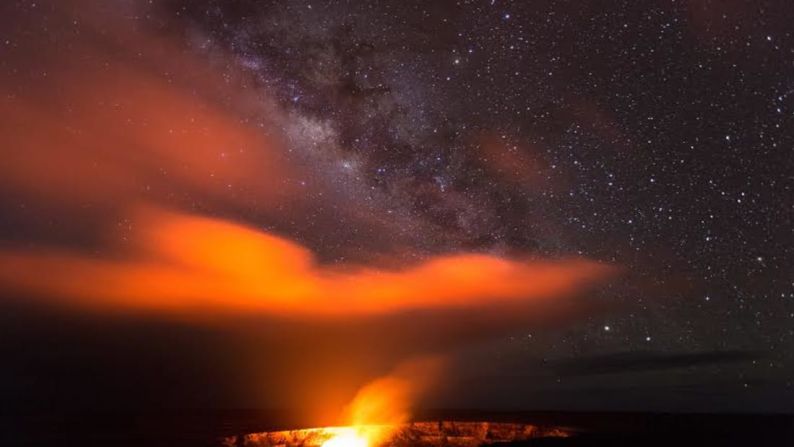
x,y
347,437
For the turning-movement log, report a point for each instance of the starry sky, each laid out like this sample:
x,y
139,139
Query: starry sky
x,y
654,137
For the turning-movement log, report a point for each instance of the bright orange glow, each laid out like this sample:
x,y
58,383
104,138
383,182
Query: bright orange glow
x,y
347,437
388,400
187,264
382,406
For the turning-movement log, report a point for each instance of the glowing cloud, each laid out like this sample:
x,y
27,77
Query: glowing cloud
x,y
184,263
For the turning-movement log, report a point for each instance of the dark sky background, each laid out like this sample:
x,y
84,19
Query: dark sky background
x,y
653,136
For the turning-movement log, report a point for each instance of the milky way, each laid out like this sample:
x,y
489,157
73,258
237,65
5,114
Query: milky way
x,y
654,136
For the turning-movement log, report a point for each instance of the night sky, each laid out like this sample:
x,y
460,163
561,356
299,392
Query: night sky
x,y
653,138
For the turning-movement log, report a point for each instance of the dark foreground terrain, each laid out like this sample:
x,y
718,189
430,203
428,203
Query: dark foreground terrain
x,y
202,429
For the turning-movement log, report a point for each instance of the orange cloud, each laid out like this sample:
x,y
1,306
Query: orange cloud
x,y
186,264
113,126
